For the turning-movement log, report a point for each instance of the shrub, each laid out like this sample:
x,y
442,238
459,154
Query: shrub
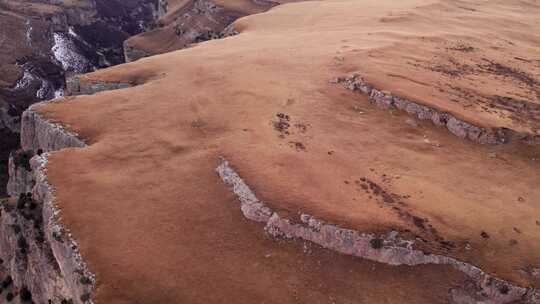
x,y
85,280
25,295
22,159
23,245
85,297
16,228
26,200
376,243
7,281
21,202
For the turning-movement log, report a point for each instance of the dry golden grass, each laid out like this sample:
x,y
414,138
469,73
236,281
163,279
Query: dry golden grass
x,y
156,224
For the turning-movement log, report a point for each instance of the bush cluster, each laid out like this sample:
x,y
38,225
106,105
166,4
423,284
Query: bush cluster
x,y
22,159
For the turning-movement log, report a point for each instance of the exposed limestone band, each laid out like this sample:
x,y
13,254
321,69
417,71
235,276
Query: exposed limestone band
x,y
75,86
39,133
73,281
78,282
455,125
390,249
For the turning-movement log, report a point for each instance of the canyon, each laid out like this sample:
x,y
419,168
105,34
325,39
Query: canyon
x,y
45,42
250,151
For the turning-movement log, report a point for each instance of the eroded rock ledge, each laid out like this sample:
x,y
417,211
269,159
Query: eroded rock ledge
x,y
40,255
74,86
455,125
389,249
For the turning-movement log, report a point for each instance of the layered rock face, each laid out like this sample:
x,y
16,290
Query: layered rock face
x,y
45,42
39,260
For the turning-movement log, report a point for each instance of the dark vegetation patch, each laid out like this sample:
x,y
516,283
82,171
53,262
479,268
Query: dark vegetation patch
x,y
419,222
302,127
298,146
376,243
22,244
398,206
462,48
9,141
7,282
85,297
453,68
370,186
503,70
85,280
282,124
21,159
29,208
25,294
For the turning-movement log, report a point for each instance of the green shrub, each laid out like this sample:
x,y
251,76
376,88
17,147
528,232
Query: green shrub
x,y
85,280
22,159
7,282
22,244
25,295
85,297
376,243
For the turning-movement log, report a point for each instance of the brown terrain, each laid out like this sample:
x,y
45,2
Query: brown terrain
x,y
156,224
188,22
42,42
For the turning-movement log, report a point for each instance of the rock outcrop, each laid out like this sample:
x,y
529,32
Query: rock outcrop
x,y
193,22
44,44
388,249
455,125
77,87
38,255
21,179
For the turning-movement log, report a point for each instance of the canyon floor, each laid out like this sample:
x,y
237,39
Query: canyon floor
x,y
156,224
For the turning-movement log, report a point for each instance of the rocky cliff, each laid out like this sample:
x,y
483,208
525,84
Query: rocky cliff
x,y
45,42
191,22
39,261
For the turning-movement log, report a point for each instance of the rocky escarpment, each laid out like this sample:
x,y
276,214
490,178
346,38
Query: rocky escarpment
x,y
9,141
389,248
21,179
454,124
39,136
45,43
88,87
40,260
63,40
194,22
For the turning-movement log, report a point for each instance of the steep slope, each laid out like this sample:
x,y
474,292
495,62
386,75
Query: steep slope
x,y
43,42
157,225
191,21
